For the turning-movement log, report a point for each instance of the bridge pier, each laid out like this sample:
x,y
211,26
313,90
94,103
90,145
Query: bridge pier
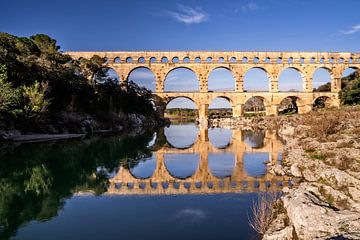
x,y
238,110
305,108
203,115
271,110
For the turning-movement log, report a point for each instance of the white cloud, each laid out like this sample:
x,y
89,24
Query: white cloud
x,y
189,15
191,214
251,6
351,30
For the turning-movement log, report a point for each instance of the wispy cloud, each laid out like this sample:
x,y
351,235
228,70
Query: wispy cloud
x,y
192,214
351,30
189,15
249,7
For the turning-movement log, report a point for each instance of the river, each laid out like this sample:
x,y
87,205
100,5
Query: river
x,y
179,182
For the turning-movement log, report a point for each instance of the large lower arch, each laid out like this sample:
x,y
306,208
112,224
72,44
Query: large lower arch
x,y
321,80
220,107
181,79
256,79
221,79
291,80
143,77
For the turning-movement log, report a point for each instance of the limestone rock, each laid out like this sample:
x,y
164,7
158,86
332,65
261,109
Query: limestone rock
x,y
283,234
315,219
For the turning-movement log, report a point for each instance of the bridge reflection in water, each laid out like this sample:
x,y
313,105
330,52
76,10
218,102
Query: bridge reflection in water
x,y
205,166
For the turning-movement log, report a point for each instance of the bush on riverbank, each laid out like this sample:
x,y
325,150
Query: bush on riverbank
x,y
39,85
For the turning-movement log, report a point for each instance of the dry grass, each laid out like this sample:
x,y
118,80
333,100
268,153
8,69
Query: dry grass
x,y
324,124
263,212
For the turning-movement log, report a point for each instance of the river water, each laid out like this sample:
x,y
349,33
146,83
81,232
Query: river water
x,y
180,182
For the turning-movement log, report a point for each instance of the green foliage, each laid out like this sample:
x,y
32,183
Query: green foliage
x,y
36,104
36,181
9,99
39,181
350,93
38,82
323,88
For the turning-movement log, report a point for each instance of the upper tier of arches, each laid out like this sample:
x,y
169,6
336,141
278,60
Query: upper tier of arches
x,y
226,57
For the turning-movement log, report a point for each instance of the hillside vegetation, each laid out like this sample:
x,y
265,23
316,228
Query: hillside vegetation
x,y
44,90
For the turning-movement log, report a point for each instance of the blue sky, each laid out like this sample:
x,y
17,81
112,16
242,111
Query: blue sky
x,y
239,25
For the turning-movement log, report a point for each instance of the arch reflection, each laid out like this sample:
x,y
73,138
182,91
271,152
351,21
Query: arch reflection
x,y
255,163
203,167
220,137
222,165
181,166
181,136
144,168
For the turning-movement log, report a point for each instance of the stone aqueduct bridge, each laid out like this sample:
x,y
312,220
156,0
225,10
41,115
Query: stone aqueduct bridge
x,y
202,64
203,180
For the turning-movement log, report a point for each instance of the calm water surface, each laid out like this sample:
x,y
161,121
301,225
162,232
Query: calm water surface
x,y
180,182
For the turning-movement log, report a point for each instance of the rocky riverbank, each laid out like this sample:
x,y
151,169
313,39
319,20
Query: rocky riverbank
x,y
322,152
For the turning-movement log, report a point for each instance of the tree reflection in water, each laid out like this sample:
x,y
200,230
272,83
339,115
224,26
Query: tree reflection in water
x,y
36,179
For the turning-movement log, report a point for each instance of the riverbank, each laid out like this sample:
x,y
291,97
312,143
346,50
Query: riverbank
x,y
322,152
80,128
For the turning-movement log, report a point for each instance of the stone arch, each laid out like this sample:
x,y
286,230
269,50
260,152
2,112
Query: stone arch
x,y
321,102
129,60
220,107
164,60
104,74
255,105
144,77
291,79
181,79
181,108
181,166
321,79
152,60
175,60
349,70
256,74
232,60
117,60
141,60
289,105
225,75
